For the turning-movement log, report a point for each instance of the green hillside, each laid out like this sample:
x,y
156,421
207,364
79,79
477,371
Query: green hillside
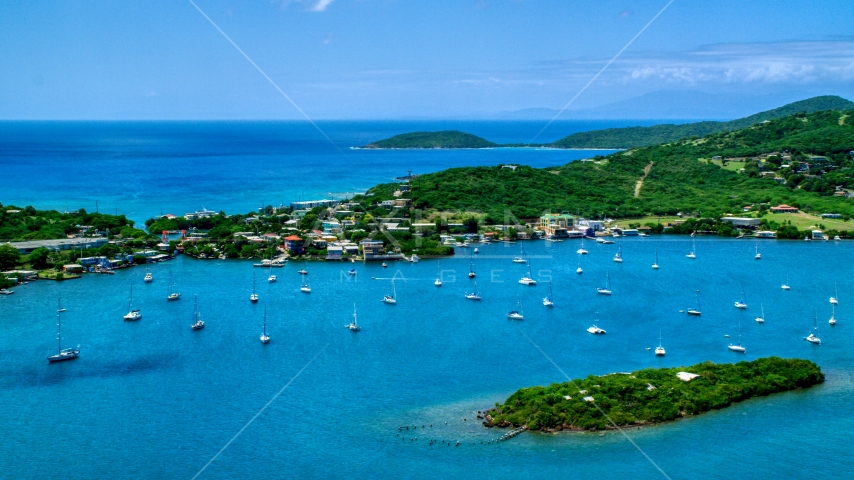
x,y
644,136
443,139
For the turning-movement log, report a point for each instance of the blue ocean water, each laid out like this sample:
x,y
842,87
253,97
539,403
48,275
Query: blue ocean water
x,y
143,168
154,399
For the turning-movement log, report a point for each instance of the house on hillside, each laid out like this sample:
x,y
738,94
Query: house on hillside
x,y
294,244
784,209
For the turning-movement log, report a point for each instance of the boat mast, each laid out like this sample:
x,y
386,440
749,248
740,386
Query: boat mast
x,y
59,326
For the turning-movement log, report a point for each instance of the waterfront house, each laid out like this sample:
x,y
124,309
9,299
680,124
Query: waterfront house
x,y
294,244
334,252
765,234
309,204
817,235
551,222
372,249
742,222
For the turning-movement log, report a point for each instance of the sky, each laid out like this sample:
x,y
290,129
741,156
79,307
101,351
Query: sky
x,y
388,59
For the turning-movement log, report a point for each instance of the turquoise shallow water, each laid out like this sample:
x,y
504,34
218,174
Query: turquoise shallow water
x,y
156,400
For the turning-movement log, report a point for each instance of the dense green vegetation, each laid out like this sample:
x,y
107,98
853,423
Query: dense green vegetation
x,y
31,224
631,137
629,400
444,139
681,177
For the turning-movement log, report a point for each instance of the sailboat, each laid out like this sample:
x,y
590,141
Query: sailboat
x,y
516,314
743,302
132,314
618,257
659,351
305,287
304,270
272,277
655,265
198,323
438,281
61,354
606,290
171,295
813,337
758,255
786,286
835,298
696,311
761,318
737,347
474,295
521,258
264,337
254,296
693,253
391,299
548,301
528,279
471,266
595,330
581,251
148,276
579,270
832,320
354,327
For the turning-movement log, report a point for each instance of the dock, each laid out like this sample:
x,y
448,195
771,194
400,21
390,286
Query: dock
x,y
512,433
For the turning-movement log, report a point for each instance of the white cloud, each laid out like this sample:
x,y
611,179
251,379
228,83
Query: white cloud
x,y
320,5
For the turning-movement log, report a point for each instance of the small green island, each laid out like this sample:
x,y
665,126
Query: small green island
x,y
650,396
443,139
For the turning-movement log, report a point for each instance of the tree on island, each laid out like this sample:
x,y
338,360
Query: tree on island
x,y
9,257
39,258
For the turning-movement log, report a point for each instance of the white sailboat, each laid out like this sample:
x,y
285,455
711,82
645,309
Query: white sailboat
x,y
198,323
272,277
171,294
761,318
786,286
606,290
595,330
471,266
758,255
305,287
304,270
521,257
737,347
742,304
474,295
696,310
391,299
813,336
354,327
548,301
581,251
579,270
148,276
832,320
253,297
618,257
693,253
438,281
659,351
528,279
264,337
132,315
516,314
62,354
835,298
655,265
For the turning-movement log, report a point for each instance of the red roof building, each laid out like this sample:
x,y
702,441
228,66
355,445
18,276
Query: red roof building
x,y
784,209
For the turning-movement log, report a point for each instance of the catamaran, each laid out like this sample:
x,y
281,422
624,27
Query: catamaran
x,y
743,302
253,297
474,295
148,277
171,295
835,298
548,302
737,347
198,323
659,351
581,251
813,336
516,314
438,281
391,299
595,330
696,310
528,279
786,286
471,266
693,253
761,318
61,354
832,320
132,314
354,327
606,290
264,337
655,265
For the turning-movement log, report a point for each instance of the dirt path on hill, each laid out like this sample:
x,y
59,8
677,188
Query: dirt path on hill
x,y
640,182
